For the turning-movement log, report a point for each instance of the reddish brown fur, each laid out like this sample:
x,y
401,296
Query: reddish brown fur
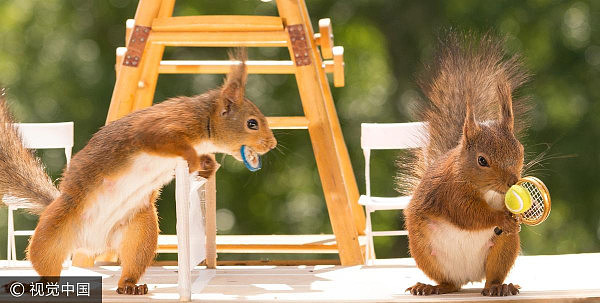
x,y
138,251
470,116
21,175
169,129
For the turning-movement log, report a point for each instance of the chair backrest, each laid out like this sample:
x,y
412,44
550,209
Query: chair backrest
x,y
48,135
390,136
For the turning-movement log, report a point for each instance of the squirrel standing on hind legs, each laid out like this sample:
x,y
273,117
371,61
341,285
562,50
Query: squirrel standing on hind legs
x,y
472,158
105,201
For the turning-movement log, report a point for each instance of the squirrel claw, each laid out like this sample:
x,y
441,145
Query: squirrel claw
x,y
141,289
501,290
422,289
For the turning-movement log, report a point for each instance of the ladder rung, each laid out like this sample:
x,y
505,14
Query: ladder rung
x,y
23,233
218,23
221,39
224,66
287,122
390,233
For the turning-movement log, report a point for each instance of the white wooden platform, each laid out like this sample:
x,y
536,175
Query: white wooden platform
x,y
561,278
264,243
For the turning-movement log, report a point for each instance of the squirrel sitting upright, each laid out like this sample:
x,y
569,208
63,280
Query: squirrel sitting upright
x,y
106,199
471,159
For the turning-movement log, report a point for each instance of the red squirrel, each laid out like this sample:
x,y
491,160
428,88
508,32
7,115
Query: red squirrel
x,y
106,199
471,159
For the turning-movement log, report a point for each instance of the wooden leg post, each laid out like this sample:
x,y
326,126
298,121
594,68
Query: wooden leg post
x,y
211,223
147,82
330,152
154,53
129,74
344,157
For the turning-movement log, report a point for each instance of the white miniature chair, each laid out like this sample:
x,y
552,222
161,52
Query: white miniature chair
x,y
37,136
196,230
386,136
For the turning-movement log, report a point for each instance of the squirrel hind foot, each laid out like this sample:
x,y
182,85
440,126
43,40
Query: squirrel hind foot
x,y
422,289
501,290
134,289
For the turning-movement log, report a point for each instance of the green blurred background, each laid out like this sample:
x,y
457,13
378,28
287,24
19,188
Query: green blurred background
x,y
57,60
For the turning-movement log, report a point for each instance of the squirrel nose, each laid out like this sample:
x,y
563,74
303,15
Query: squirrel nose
x,y
273,143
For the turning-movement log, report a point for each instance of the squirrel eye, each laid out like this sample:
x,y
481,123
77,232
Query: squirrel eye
x,y
252,124
482,161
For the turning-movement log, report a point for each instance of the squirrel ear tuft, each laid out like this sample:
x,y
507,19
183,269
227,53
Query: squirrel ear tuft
x,y
235,84
506,112
470,126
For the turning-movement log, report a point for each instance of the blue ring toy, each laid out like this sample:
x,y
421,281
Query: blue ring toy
x,y
246,163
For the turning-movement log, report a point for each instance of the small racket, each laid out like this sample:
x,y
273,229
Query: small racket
x,y
540,202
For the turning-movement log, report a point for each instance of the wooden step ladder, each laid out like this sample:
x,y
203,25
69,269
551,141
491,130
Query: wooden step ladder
x,y
140,63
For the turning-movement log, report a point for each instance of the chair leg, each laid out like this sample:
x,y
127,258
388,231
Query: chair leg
x,y
369,250
372,251
11,236
8,243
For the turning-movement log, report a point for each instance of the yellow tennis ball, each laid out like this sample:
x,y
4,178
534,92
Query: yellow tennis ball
x,y
517,199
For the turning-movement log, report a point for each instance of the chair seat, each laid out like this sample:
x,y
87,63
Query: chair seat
x,y
384,203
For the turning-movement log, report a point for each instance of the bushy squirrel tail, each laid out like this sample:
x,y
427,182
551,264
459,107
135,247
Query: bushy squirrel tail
x,y
22,175
465,65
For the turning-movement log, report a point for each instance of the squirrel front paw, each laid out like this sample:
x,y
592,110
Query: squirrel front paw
x,y
509,223
206,166
203,164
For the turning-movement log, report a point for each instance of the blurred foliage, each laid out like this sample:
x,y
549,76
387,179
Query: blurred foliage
x,y
57,60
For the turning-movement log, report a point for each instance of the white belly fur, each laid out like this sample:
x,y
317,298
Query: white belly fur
x,y
105,220
119,199
460,254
